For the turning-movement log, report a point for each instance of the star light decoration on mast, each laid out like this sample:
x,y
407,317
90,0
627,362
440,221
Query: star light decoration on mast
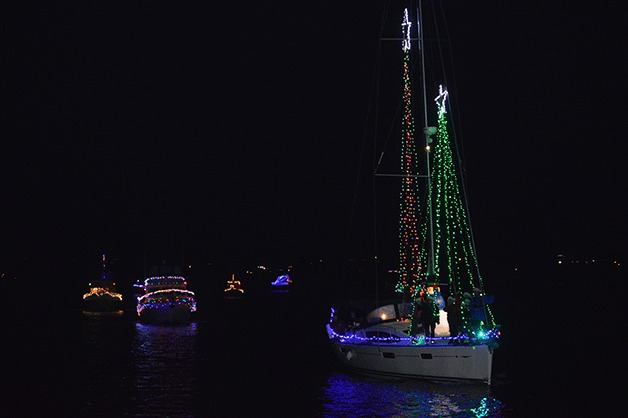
x,y
441,99
405,28
409,248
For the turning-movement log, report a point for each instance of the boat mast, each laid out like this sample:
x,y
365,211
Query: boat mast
x,y
104,267
428,140
409,248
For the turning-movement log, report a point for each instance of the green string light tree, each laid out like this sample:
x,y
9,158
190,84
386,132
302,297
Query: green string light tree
x,y
409,245
454,257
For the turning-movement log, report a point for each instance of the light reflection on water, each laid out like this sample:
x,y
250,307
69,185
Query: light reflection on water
x,y
165,362
350,395
203,370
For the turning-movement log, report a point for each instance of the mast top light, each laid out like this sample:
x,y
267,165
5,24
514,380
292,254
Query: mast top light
x,y
441,99
405,28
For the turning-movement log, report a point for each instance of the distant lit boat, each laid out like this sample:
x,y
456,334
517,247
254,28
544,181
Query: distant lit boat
x,y
282,283
166,300
102,298
234,288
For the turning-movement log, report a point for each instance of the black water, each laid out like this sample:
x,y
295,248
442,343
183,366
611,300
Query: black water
x,y
267,355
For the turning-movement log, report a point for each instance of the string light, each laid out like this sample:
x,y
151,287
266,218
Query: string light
x,y
166,298
100,292
454,254
357,338
409,248
234,285
165,280
441,100
490,337
419,340
105,292
405,29
165,304
164,291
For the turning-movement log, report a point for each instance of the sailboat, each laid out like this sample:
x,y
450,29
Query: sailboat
x,y
102,299
234,288
437,257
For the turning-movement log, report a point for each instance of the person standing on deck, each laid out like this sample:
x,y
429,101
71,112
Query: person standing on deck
x,y
453,315
429,315
416,316
478,312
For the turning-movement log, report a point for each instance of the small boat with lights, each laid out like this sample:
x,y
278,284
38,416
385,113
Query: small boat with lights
x,y
423,334
234,288
102,299
281,284
166,299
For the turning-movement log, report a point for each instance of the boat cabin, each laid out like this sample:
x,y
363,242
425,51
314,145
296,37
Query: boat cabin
x,y
164,282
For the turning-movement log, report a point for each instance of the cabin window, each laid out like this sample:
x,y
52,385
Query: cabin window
x,y
377,334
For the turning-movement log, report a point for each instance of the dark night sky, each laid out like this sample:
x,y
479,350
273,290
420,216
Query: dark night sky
x,y
235,130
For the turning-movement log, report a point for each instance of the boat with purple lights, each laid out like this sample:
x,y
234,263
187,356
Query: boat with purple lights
x,y
281,284
419,335
166,299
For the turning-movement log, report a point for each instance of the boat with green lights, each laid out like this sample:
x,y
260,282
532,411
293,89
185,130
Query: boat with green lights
x,y
441,326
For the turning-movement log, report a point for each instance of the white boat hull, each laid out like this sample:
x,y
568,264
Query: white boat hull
x,y
430,361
